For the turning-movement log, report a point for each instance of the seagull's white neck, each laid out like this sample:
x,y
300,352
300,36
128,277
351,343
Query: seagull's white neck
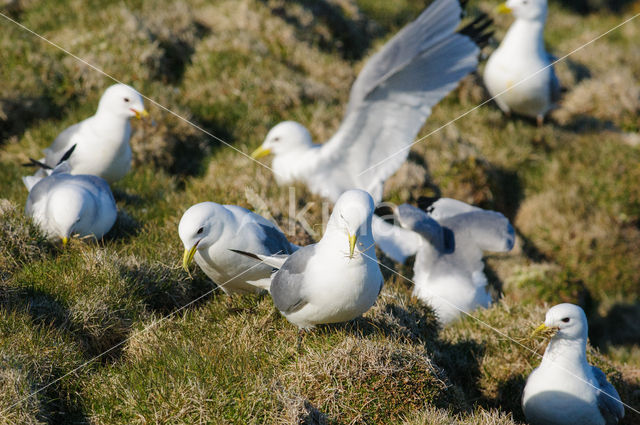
x,y
524,39
105,121
566,353
295,164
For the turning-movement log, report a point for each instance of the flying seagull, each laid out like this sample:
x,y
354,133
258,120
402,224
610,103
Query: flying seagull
x,y
388,104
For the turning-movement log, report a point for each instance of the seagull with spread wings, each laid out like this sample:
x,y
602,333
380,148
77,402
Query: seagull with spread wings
x,y
389,102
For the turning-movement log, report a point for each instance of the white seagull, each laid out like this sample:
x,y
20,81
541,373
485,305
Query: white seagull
x,y
209,231
336,279
99,145
565,389
449,242
388,104
66,205
520,67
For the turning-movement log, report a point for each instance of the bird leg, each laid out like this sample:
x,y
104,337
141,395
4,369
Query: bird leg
x,y
301,332
540,120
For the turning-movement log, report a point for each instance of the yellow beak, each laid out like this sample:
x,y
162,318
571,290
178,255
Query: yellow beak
x,y
65,241
540,329
260,152
141,114
352,244
187,258
503,8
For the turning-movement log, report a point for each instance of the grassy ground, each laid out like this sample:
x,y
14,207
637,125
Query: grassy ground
x,y
236,68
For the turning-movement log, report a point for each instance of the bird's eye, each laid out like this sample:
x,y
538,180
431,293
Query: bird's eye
x,y
126,99
200,230
566,320
276,139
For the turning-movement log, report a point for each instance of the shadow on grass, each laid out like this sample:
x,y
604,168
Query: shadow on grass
x,y
588,6
17,115
313,415
176,54
349,37
621,326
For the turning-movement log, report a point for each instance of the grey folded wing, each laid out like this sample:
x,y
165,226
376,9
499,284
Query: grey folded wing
x,y
287,285
61,145
609,402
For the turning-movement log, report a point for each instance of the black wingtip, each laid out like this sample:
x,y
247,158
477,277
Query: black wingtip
x,y
425,202
479,30
67,154
245,253
34,163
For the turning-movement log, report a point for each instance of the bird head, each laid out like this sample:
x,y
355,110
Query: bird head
x,y
531,10
288,136
123,101
199,228
567,320
351,217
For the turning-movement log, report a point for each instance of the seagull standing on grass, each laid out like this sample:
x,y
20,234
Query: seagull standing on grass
x,y
336,279
66,205
520,67
100,144
209,231
388,104
565,389
450,238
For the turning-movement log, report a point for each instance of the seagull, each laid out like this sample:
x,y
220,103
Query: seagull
x,y
388,104
449,241
209,231
565,389
520,67
336,279
100,143
66,205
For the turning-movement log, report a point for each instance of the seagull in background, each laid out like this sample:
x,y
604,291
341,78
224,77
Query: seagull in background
x,y
519,74
100,143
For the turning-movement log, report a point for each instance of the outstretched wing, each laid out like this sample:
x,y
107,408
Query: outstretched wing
x,y
446,207
394,95
609,403
435,24
490,230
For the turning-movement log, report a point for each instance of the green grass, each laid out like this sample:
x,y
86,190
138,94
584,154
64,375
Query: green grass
x,y
236,68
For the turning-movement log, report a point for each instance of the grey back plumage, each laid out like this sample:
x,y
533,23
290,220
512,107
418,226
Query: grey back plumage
x,y
95,185
274,240
609,403
287,285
